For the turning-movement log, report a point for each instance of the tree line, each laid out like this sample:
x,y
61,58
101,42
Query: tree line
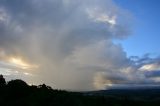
x,y
18,93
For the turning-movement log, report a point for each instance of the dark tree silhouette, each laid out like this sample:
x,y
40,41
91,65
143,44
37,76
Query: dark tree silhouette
x,y
19,93
18,84
44,86
2,81
17,88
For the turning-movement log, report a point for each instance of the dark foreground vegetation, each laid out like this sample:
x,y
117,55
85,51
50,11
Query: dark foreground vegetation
x,y
19,93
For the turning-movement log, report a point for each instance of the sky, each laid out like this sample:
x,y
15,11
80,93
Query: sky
x,y
80,45
146,27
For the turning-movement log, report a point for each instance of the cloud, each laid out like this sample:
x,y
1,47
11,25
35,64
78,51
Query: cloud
x,y
70,41
143,74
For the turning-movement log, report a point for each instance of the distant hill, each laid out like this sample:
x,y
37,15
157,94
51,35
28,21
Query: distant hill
x,y
150,92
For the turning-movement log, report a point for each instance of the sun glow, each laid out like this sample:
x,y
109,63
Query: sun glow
x,y
18,62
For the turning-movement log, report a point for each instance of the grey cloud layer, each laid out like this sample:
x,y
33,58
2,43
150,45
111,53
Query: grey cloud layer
x,y
70,40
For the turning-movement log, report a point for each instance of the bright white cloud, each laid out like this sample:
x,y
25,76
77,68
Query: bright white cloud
x,y
150,67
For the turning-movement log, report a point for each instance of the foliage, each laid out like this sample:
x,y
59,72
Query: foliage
x,y
19,93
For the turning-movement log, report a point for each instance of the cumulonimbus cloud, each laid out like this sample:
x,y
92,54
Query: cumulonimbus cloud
x,y
67,44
